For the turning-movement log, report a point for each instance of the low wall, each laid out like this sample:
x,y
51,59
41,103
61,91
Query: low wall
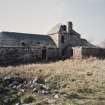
x,y
93,52
84,52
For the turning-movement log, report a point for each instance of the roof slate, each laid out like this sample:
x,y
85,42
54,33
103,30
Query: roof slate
x,y
25,36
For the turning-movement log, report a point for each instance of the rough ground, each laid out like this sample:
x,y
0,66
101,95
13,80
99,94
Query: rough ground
x,y
69,82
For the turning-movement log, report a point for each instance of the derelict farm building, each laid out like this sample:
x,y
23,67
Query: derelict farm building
x,y
24,47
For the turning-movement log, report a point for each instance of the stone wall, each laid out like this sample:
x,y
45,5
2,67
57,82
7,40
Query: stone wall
x,y
70,40
53,53
83,52
93,52
18,55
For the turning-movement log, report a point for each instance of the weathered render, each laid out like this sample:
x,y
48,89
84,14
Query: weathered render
x,y
57,44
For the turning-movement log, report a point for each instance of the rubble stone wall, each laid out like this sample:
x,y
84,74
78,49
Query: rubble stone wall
x,y
17,55
93,52
83,52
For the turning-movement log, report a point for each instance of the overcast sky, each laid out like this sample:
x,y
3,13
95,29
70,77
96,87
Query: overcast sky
x,y
39,16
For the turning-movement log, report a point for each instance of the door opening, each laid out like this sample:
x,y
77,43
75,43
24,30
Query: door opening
x,y
44,54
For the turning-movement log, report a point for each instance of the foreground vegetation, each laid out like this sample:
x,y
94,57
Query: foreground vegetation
x,y
69,82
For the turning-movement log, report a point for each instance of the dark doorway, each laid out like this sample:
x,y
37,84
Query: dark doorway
x,y
62,39
44,53
63,52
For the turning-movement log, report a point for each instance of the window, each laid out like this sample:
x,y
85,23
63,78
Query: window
x,y
38,42
63,28
62,39
23,44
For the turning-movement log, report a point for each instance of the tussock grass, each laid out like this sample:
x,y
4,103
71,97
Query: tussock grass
x,y
85,78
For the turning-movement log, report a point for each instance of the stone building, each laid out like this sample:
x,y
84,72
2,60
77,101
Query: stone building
x,y
26,47
65,37
23,47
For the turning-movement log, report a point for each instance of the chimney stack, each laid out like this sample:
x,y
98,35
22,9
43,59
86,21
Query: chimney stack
x,y
70,27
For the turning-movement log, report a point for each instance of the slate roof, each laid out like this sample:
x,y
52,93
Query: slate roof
x,y
85,43
75,33
43,39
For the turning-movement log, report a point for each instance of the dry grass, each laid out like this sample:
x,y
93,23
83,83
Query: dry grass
x,y
83,77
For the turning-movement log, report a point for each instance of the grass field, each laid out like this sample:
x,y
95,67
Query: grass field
x,y
80,82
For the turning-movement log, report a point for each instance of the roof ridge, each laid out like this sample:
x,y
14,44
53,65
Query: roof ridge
x,y
22,33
